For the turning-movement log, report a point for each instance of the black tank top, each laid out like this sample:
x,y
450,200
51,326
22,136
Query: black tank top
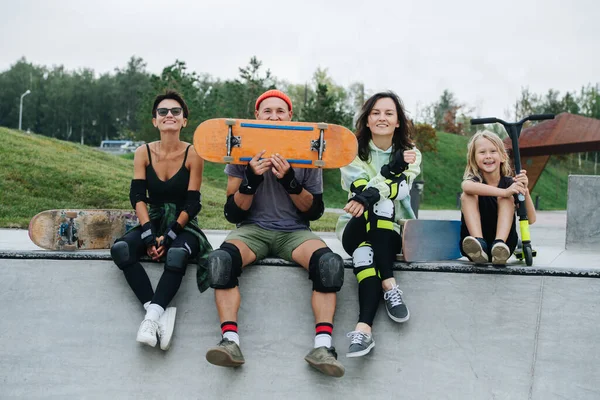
x,y
173,190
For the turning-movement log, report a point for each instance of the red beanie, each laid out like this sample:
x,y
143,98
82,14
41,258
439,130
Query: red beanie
x,y
273,93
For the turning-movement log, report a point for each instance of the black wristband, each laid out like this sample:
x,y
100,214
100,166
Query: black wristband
x,y
173,229
289,182
250,182
148,236
367,197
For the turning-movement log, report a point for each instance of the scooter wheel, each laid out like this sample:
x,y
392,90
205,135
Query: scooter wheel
x,y
528,253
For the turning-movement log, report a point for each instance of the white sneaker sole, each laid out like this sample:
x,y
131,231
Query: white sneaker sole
x,y
362,352
500,254
399,319
473,250
166,325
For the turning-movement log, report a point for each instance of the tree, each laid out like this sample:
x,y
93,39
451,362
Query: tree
x,y
449,115
323,107
426,138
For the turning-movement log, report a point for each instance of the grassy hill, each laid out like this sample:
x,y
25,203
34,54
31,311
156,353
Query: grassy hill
x,y
39,173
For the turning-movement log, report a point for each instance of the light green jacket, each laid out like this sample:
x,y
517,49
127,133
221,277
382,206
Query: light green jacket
x,y
370,171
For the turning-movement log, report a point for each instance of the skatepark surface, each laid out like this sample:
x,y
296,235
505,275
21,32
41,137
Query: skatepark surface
x,y
68,327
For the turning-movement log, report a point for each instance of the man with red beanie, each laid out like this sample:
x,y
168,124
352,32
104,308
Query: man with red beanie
x,y
272,203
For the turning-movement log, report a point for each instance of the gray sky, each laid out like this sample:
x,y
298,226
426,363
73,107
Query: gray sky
x,y
484,51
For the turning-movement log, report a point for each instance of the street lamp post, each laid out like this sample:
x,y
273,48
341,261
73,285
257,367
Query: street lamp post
x,y
21,107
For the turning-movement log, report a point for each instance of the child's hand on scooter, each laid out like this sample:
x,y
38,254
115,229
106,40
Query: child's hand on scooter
x,y
515,188
522,179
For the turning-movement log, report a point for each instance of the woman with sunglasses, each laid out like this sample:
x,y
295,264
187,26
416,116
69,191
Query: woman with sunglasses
x,y
165,193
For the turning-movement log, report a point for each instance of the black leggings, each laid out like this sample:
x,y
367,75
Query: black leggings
x,y
386,243
169,282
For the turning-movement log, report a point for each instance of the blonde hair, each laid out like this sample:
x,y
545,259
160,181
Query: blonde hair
x,y
472,171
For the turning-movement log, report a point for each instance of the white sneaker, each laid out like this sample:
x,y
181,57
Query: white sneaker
x,y
147,332
166,325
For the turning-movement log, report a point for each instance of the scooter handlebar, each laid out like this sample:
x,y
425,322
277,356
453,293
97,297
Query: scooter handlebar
x,y
540,117
479,121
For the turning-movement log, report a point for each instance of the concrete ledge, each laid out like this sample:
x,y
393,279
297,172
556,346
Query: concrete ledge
x,y
583,213
456,266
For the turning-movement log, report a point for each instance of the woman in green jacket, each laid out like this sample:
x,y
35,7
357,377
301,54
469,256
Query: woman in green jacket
x,y
378,183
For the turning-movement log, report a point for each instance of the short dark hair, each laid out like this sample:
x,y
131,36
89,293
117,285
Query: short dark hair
x,y
170,95
402,134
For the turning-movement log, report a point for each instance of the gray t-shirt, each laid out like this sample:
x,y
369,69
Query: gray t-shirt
x,y
272,207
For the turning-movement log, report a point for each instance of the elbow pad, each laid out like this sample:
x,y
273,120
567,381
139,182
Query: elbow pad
x,y
367,197
398,187
233,212
193,203
316,210
137,192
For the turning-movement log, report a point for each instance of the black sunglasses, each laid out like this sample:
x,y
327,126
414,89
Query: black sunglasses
x,y
175,111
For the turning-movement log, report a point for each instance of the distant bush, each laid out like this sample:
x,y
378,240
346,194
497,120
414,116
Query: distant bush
x,y
426,138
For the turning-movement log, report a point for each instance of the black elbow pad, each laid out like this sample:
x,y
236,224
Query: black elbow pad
x,y
193,203
137,192
233,212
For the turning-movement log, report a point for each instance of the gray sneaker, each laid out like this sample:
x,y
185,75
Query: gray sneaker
x,y
394,305
360,344
226,354
325,360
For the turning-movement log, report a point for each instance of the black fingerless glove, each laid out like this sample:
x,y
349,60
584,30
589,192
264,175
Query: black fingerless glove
x,y
251,181
367,197
171,233
396,166
289,182
148,236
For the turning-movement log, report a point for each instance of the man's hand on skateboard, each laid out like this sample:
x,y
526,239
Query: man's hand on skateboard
x,y
285,174
254,173
260,165
280,165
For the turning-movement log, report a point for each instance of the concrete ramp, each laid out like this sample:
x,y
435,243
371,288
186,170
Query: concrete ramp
x,y
68,328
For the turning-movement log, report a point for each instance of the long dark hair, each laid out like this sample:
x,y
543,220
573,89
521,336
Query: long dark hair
x,y
402,134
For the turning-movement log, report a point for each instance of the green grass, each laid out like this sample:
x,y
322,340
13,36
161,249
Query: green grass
x,y
39,173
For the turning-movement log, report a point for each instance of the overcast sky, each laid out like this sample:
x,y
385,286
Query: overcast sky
x,y
483,51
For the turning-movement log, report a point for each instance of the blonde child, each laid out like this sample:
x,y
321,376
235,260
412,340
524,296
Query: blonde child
x,y
488,231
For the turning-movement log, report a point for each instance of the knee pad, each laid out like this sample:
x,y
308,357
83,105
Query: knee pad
x,y
382,215
177,260
363,261
326,270
121,254
224,267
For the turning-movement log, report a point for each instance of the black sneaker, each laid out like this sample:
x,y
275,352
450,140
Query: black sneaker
x,y
476,249
325,360
226,354
395,306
